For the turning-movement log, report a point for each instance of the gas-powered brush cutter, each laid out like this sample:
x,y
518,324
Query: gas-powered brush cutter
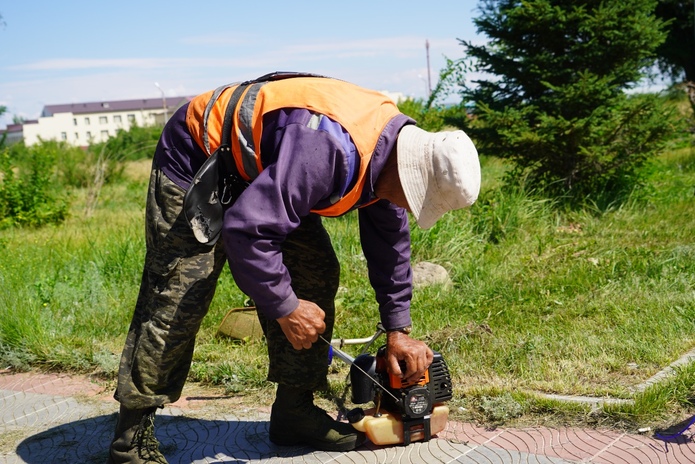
x,y
402,412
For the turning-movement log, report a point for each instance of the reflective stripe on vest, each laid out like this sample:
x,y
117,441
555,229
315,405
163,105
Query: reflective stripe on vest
x,y
363,113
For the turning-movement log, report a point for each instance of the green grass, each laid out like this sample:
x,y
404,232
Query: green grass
x,y
544,301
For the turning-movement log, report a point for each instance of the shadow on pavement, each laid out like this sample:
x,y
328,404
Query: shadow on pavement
x,y
182,440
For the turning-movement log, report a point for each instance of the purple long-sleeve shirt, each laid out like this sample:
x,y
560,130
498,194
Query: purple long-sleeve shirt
x,y
305,165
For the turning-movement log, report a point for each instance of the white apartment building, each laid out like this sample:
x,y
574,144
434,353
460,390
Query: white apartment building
x,y
83,123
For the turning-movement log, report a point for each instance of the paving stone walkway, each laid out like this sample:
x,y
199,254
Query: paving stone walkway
x,y
50,418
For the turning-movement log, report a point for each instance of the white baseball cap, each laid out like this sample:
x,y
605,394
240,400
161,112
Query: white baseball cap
x,y
439,172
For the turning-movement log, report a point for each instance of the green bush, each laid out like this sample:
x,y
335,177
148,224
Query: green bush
x,y
35,181
29,194
136,143
431,118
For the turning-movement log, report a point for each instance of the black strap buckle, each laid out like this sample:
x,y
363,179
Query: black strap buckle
x,y
227,196
232,186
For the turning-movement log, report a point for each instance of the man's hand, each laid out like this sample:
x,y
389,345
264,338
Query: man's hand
x,y
416,355
303,326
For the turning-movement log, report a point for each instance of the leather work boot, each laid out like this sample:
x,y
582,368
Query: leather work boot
x,y
134,441
294,419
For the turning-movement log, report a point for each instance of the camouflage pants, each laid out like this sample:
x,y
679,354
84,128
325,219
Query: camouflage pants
x,y
178,283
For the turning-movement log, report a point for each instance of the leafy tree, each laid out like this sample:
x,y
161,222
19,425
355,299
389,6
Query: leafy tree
x,y
553,100
431,118
676,56
432,114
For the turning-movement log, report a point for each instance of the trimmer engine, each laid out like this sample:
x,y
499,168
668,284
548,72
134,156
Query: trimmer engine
x,y
411,403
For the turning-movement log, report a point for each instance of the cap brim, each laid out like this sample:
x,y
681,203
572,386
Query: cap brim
x,y
413,145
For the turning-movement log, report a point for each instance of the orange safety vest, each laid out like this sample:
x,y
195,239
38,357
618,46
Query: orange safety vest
x,y
363,113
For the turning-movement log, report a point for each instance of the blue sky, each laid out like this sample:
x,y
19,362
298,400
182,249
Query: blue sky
x,y
66,52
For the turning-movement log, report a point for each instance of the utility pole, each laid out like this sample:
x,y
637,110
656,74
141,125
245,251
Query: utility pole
x,y
164,102
429,77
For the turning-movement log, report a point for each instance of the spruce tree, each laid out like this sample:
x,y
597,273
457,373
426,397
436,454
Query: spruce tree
x,y
676,55
554,100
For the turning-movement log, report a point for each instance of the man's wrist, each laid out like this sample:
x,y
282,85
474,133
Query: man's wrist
x,y
404,330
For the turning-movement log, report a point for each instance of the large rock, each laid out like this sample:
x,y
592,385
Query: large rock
x,y
426,273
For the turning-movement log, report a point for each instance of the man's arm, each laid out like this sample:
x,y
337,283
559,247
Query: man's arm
x,y
385,237
272,207
306,165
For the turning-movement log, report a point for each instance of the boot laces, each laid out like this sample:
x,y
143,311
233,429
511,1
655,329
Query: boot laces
x,y
146,442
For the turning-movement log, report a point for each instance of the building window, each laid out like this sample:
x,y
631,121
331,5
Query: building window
x,y
117,118
131,118
104,134
86,121
89,135
77,136
103,119
74,121
63,136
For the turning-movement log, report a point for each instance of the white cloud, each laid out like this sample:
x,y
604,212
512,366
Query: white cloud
x,y
395,64
64,64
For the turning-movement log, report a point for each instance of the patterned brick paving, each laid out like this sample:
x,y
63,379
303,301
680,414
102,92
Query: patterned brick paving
x,y
51,418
